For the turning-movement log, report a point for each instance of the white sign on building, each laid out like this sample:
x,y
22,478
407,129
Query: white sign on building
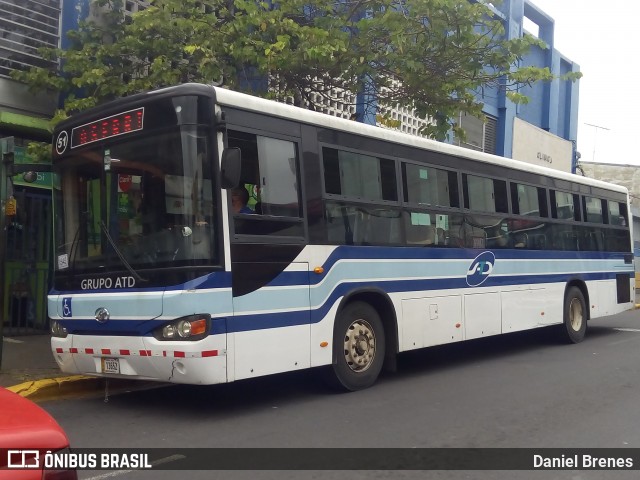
x,y
534,145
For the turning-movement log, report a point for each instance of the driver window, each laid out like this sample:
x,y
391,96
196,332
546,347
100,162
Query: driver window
x,y
269,174
271,179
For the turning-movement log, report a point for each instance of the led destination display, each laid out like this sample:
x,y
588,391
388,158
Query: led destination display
x,y
126,122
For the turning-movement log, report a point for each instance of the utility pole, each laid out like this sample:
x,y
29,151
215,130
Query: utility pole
x,y
6,150
595,137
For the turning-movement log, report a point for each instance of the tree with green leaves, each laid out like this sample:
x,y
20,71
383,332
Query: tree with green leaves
x,y
430,56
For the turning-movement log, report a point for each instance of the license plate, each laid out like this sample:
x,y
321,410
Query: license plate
x,y
110,365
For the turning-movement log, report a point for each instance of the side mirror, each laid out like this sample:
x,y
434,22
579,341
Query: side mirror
x,y
230,169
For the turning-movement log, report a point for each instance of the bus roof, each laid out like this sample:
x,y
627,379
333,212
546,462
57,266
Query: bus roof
x,y
257,104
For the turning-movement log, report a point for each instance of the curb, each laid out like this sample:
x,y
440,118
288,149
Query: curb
x,y
55,387
76,385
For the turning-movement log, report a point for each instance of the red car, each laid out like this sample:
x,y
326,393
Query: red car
x,y
27,432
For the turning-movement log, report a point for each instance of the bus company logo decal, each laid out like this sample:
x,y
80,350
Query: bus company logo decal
x,y
480,269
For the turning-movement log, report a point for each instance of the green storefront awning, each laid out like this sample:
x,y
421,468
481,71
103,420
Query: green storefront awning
x,y
26,123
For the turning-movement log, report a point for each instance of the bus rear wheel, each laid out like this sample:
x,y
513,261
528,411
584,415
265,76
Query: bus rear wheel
x,y
358,347
574,326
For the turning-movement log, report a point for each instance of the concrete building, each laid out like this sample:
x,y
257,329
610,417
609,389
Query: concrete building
x,y
25,25
545,130
548,121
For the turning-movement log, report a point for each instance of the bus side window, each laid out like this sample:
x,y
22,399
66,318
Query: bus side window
x,y
278,177
343,223
419,229
270,169
381,226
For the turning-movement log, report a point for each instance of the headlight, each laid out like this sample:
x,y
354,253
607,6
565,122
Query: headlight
x,y
169,331
57,330
193,327
184,328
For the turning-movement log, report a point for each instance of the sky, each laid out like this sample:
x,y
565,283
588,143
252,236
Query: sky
x,y
601,37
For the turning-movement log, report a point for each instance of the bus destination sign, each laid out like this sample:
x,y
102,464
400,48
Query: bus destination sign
x,y
120,124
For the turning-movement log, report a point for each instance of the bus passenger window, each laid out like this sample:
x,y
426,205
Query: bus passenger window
x,y
593,209
421,235
618,214
484,194
565,206
425,229
359,176
529,201
360,225
429,186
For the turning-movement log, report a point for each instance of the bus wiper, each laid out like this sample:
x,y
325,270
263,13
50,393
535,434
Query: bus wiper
x,y
73,250
119,253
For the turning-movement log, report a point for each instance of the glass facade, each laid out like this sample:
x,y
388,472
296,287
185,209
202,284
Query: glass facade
x,y
26,26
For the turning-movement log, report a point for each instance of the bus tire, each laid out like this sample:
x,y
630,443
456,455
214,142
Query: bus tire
x,y
358,348
574,326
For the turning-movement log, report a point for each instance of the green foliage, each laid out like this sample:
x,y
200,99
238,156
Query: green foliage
x,y
427,55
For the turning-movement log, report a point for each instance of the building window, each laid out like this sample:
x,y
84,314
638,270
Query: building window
x,y
26,26
481,133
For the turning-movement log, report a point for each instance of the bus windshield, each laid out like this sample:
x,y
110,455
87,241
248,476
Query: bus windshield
x,y
143,202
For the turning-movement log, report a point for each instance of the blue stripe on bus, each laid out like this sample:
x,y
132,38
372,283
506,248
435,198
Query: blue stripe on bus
x,y
222,279
429,253
257,321
241,323
348,254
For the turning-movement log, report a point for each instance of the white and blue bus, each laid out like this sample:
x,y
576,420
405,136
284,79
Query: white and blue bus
x,y
358,242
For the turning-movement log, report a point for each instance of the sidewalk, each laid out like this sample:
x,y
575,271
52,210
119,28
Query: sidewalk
x,y
27,358
29,369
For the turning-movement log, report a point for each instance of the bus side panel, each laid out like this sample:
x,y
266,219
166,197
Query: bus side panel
x,y
482,314
604,296
430,321
321,332
261,349
269,351
323,308
523,309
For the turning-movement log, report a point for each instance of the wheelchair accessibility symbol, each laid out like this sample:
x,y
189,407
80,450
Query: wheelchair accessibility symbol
x,y
66,307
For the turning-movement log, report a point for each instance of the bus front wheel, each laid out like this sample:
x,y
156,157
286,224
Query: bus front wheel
x,y
358,347
575,316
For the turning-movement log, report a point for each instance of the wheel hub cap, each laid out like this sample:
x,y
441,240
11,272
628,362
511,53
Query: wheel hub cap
x,y
576,315
359,346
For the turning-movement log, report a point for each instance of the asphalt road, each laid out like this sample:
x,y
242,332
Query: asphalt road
x,y
524,390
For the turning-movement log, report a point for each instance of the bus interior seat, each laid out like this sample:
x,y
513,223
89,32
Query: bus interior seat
x,y
421,235
454,238
520,240
474,237
477,241
538,241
